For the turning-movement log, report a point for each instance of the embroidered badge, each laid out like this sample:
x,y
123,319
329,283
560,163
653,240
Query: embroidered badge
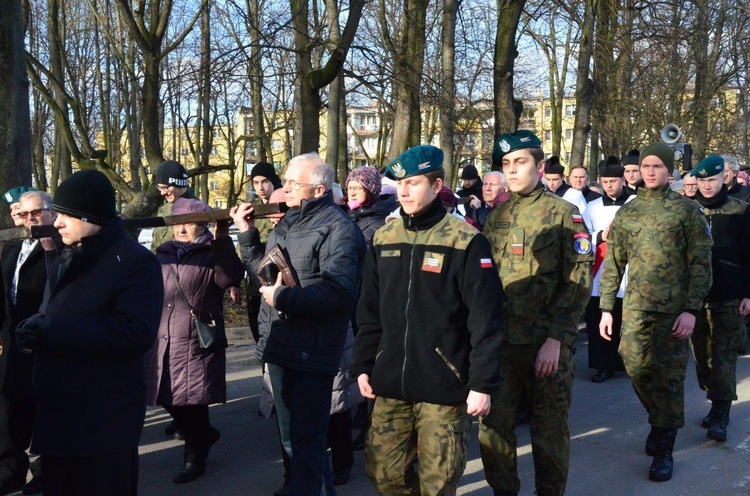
x,y
504,146
578,218
502,225
433,262
398,170
486,263
516,248
8,197
423,165
582,246
390,253
581,235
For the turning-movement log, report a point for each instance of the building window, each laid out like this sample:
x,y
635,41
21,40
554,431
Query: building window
x,y
570,110
547,112
219,204
184,151
276,145
213,185
547,135
569,134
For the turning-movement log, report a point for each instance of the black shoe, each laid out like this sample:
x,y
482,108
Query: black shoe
x,y
190,471
34,486
341,477
601,376
718,429
503,492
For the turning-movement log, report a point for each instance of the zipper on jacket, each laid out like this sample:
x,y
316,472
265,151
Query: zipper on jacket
x,y
406,311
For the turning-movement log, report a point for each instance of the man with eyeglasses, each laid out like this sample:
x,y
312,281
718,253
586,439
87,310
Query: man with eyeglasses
x,y
172,183
690,185
12,198
303,328
23,278
665,241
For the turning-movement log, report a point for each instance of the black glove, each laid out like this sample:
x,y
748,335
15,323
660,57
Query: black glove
x,y
31,334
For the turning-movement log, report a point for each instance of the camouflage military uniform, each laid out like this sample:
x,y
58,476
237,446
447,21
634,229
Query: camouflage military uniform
x,y
430,330
544,253
667,243
719,333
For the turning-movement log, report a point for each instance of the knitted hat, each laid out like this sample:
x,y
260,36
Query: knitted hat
x,y
709,166
87,195
469,172
510,142
14,195
171,172
552,166
632,158
369,177
264,169
188,206
664,152
415,161
448,197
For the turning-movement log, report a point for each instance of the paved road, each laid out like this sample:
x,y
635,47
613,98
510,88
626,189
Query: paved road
x,y
608,429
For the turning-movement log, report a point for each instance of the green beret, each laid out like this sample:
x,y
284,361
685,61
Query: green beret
x,y
510,142
13,195
415,161
552,166
709,166
664,152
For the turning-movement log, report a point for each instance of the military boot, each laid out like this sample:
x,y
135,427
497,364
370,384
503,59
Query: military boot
x,y
651,442
718,429
661,467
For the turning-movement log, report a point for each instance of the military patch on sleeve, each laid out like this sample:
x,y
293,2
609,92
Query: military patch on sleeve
x,y
581,235
390,253
502,225
708,230
582,246
578,218
433,262
486,263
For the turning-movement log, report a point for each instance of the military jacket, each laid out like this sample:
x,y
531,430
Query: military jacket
x,y
543,252
263,225
667,242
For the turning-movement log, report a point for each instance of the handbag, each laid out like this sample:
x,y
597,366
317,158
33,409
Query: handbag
x,y
210,331
274,262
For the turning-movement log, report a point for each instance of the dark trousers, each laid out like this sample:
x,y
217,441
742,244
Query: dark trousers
x,y
113,475
303,404
253,309
195,425
16,422
340,440
603,354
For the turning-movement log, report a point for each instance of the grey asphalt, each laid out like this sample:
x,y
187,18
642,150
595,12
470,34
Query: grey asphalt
x,y
607,423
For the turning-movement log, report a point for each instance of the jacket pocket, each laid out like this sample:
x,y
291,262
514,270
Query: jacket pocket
x,y
449,364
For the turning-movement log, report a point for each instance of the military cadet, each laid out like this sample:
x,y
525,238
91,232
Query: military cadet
x,y
554,174
666,243
720,329
633,179
598,218
430,332
543,253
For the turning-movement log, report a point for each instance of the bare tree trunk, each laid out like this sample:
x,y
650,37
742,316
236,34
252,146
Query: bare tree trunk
x,y
584,89
255,78
335,97
15,139
61,159
448,86
507,108
604,62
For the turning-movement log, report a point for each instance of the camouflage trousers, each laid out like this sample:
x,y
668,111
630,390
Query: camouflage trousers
x,y
718,338
656,363
400,430
550,436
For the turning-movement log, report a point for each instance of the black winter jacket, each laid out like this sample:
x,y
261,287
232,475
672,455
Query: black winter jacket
x,y
371,218
103,314
307,328
430,313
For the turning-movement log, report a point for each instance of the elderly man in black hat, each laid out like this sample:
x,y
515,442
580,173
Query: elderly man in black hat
x,y
172,183
471,187
99,316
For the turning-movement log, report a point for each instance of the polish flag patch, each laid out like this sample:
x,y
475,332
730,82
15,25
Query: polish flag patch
x,y
486,263
578,218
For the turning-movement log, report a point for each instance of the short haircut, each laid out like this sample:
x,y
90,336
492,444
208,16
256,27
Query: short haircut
x,y
42,195
537,154
321,174
436,174
579,167
732,161
499,175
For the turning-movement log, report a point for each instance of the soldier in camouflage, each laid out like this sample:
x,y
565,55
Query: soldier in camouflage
x,y
543,252
430,332
666,241
719,333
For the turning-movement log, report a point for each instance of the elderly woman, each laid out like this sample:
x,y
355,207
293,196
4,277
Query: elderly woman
x,y
368,208
182,377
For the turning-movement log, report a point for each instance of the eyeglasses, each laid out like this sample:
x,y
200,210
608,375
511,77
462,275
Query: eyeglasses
x,y
355,189
34,213
294,184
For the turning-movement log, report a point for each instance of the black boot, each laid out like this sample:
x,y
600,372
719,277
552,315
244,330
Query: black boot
x,y
661,467
708,420
718,429
651,442
194,465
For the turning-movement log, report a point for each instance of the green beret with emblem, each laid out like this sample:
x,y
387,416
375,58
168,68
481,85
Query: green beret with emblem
x,y
14,195
415,161
708,167
510,142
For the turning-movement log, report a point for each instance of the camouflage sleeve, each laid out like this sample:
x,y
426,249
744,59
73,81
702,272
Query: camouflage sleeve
x,y
575,288
615,262
699,260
